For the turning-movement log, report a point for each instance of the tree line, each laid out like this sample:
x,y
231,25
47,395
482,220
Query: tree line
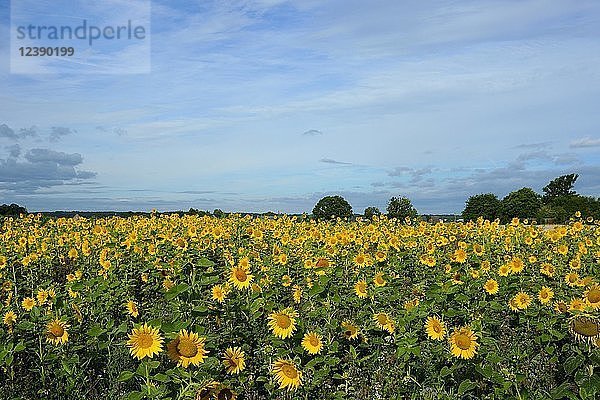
x,y
556,205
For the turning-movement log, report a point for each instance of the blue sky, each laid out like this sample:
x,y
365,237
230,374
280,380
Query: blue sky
x,y
272,104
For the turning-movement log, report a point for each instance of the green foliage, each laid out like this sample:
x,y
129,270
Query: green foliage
x,y
522,203
401,208
486,205
218,213
587,205
560,186
13,210
332,206
370,212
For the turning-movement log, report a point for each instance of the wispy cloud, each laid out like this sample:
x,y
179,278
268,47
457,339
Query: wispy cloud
x,y
585,142
312,132
331,161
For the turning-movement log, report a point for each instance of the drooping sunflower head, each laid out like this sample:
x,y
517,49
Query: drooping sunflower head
x,y
463,343
585,328
56,332
187,348
287,375
435,328
311,342
283,323
144,341
234,360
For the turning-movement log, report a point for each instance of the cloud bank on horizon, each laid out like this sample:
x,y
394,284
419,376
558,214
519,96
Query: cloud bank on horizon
x,y
257,105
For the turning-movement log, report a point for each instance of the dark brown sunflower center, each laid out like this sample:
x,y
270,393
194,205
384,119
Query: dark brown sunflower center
x,y
314,341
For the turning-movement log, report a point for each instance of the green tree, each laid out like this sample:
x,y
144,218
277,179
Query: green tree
x,y
522,203
218,213
486,205
400,208
371,211
560,186
589,206
13,210
332,206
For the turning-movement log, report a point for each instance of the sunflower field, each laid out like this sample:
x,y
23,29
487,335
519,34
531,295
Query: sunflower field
x,y
189,307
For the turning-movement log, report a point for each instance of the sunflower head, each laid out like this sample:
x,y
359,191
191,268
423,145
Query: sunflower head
x,y
144,341
463,343
283,323
187,348
311,342
592,297
56,332
585,328
350,330
435,328
234,360
287,375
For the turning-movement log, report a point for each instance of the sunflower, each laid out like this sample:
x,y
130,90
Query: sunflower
x,y
234,360
585,328
522,300
187,348
283,323
297,293
491,286
592,297
219,293
576,305
435,328
503,270
311,342
378,280
132,309
144,341
460,256
545,295
9,318
240,277
350,330
463,343
360,288
56,332
381,319
28,303
572,278
286,374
